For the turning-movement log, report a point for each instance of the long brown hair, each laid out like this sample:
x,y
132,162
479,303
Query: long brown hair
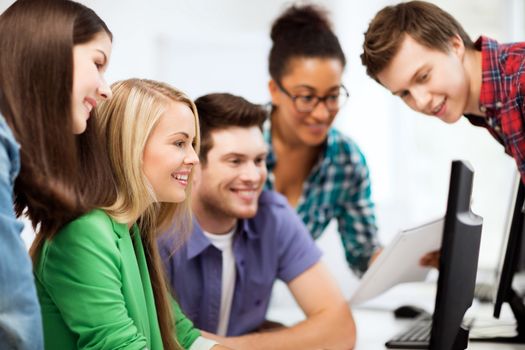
x,y
36,82
128,120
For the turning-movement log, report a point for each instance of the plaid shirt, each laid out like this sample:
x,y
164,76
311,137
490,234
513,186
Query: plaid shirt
x,y
502,96
338,187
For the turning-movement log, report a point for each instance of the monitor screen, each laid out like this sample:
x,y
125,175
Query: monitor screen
x,y
457,268
512,263
458,262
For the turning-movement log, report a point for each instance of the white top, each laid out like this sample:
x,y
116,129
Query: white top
x,y
224,243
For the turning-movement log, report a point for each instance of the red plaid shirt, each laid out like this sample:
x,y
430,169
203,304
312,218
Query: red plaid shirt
x,y
502,96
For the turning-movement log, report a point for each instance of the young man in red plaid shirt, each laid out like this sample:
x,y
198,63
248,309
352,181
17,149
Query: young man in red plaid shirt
x,y
423,55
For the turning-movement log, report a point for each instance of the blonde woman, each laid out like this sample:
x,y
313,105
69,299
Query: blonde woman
x,y
99,279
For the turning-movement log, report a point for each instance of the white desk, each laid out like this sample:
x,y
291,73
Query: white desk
x,y
376,327
376,323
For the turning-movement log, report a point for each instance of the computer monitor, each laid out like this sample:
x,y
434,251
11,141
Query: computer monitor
x,y
458,266
511,264
458,262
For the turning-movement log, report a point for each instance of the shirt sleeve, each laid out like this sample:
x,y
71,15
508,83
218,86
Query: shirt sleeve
x,y
202,343
186,332
297,249
88,292
357,223
20,320
521,161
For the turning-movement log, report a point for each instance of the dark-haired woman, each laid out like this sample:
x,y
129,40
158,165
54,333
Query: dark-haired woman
x,y
322,173
53,55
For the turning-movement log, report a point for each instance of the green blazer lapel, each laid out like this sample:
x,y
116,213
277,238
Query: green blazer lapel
x,y
155,336
132,281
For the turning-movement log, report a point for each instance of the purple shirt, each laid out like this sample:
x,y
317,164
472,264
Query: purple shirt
x,y
274,244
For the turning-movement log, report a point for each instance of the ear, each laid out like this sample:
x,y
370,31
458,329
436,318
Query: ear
x,y
457,46
274,92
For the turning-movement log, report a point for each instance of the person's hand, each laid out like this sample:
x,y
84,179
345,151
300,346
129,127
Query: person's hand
x,y
430,259
218,339
212,336
220,347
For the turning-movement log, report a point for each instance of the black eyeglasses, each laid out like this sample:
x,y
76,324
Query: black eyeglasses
x,y
307,103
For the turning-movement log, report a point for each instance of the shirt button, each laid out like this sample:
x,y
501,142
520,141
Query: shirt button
x,y
499,104
258,302
483,109
497,128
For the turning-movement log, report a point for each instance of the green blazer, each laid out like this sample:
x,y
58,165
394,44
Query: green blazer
x,y
95,292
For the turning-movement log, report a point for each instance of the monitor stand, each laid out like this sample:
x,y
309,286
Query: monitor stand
x,y
461,341
518,309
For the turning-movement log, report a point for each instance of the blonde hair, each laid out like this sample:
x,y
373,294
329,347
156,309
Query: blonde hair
x,y
128,120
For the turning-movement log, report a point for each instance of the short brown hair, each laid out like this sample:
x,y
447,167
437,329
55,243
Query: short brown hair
x,y
221,111
426,23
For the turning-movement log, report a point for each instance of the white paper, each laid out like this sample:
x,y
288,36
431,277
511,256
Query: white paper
x,y
399,261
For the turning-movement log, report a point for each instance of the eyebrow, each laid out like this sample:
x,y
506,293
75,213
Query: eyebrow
x,y
411,79
242,155
396,93
313,88
180,133
233,154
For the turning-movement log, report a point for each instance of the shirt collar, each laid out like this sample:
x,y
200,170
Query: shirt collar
x,y
328,145
491,85
198,242
247,228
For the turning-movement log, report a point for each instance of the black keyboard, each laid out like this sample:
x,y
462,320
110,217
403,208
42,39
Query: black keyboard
x,y
417,336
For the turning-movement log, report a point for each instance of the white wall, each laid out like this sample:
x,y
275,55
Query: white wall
x,y
203,46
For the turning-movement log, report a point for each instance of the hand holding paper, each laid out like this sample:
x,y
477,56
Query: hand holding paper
x,y
400,261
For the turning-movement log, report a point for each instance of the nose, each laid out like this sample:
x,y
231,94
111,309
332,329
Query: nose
x,y
251,173
104,90
192,158
422,99
321,112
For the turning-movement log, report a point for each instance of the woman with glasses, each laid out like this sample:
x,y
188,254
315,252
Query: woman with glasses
x,y
322,173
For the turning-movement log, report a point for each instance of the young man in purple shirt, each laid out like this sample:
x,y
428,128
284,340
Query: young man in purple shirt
x,y
244,239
